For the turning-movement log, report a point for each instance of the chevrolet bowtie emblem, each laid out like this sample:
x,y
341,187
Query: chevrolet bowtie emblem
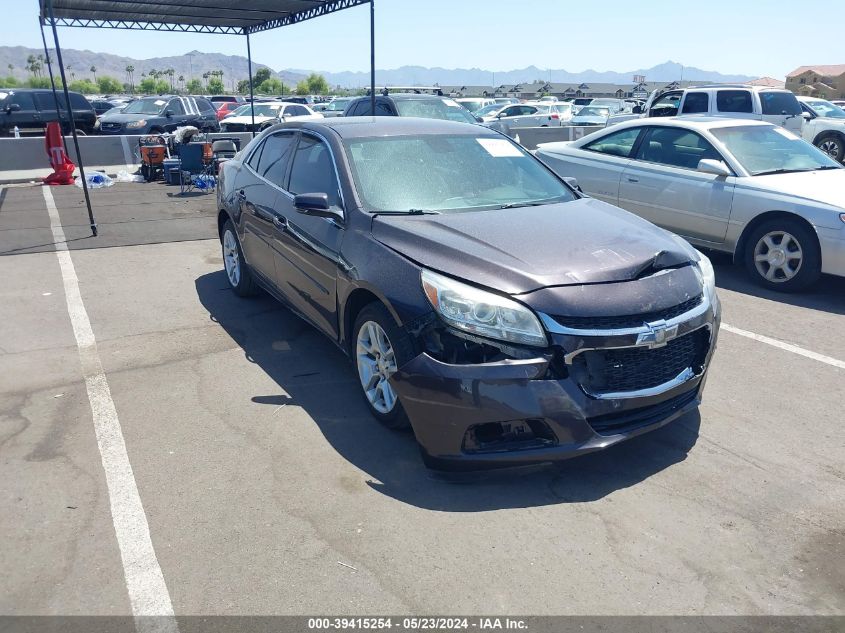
x,y
658,334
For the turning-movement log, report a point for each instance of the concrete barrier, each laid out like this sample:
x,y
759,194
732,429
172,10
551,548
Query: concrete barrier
x,y
25,159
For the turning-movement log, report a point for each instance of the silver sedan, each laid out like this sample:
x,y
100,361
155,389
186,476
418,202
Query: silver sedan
x,y
745,187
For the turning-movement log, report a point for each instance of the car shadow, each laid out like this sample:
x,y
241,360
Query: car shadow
x,y
315,375
827,295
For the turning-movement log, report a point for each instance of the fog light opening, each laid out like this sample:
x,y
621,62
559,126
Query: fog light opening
x,y
517,435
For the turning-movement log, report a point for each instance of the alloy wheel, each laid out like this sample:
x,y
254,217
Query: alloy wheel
x,y
231,259
778,256
376,364
830,147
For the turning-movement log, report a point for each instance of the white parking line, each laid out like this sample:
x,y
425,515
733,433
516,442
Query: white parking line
x,y
145,584
785,346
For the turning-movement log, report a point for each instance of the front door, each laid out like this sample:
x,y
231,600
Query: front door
x,y
663,185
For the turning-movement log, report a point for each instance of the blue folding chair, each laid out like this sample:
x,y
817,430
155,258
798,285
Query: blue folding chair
x,y
192,167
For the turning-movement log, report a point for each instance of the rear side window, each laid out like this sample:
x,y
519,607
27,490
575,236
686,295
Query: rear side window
x,y
274,158
734,101
78,102
696,103
46,101
175,106
779,103
363,108
382,109
205,106
616,144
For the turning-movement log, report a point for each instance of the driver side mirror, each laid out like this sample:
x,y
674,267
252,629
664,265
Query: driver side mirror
x,y
714,167
806,116
315,205
637,110
13,107
573,182
168,114
478,119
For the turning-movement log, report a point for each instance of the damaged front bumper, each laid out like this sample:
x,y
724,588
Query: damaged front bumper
x,y
536,410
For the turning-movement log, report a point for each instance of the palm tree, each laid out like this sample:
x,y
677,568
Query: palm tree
x,y
130,69
205,76
32,65
170,72
181,81
11,68
93,70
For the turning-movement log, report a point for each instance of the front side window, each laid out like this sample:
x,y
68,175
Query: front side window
x,y
696,103
274,158
766,149
734,101
26,102
675,147
616,144
667,105
449,173
382,109
338,105
779,103
313,170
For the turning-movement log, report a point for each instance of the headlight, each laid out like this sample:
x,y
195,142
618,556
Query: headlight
x,y
708,275
97,124
483,313
136,124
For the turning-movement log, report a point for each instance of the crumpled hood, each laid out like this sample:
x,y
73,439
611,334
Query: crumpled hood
x,y
826,186
519,250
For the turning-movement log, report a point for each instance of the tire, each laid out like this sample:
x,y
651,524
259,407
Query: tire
x,y
375,314
80,132
833,145
779,246
237,270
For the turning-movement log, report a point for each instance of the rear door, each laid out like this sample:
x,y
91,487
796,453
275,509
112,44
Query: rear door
x,y
736,103
309,247
662,185
257,190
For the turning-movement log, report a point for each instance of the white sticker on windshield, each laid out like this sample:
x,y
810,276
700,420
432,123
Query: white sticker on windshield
x,y
452,104
3,95
786,133
160,102
499,147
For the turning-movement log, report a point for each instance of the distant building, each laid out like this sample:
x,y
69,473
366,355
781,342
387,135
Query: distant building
x,y
826,82
767,82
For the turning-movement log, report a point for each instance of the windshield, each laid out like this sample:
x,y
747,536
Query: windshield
x,y
490,110
145,106
449,173
338,104
592,111
763,149
825,109
261,109
434,109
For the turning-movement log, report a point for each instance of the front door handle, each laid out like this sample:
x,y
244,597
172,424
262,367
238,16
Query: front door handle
x,y
280,222
242,194
630,179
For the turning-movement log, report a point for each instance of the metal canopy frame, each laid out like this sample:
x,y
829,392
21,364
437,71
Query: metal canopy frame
x,y
186,16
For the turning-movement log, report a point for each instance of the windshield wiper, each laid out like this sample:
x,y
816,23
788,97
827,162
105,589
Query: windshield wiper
x,y
821,167
529,203
409,212
781,171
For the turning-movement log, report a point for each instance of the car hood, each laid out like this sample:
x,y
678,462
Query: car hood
x,y
585,241
596,120
247,119
827,186
123,117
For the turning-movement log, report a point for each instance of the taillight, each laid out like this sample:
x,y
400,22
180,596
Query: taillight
x,y
555,116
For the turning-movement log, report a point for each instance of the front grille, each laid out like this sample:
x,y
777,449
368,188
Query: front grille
x,y
111,127
628,320
626,421
635,368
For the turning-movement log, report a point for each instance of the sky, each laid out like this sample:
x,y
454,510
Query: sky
x,y
753,37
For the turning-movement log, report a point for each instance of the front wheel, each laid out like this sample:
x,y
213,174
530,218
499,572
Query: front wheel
x,y
833,145
783,255
237,271
380,348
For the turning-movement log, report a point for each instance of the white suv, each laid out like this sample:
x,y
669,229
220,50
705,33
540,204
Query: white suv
x,y
736,101
824,126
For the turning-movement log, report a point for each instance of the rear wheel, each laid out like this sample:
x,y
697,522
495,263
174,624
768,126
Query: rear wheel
x,y
833,145
237,271
783,255
380,348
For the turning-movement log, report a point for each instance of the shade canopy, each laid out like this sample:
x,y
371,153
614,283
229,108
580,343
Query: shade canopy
x,y
199,16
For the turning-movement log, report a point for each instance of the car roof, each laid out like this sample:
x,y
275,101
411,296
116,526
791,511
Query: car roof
x,y
368,126
689,122
405,96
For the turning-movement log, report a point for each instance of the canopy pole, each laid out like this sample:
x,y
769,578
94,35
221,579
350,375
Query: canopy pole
x,y
373,57
251,95
71,118
52,79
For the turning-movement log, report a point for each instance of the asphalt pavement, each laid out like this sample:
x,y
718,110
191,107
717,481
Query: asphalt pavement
x,y
268,489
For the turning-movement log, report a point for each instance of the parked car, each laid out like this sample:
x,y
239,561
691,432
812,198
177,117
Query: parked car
x,y
266,114
735,101
411,104
395,238
523,115
614,105
506,100
474,104
101,106
824,126
31,109
336,107
591,115
227,99
225,108
840,104
551,98
152,115
580,102
748,188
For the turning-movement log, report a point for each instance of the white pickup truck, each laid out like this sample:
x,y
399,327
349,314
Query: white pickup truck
x,y
735,101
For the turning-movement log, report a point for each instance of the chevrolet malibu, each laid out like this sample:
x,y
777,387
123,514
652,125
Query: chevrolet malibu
x,y
749,188
484,301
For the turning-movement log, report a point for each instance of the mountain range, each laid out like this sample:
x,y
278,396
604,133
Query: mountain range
x,y
234,67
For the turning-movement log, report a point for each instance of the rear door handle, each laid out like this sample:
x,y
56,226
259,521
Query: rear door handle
x,y
280,222
242,194
629,179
